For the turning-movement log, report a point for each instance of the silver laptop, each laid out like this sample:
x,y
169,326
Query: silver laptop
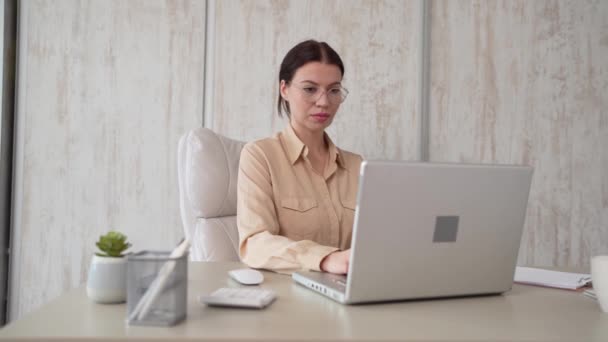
x,y
430,230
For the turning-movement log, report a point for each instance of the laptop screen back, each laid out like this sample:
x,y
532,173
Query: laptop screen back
x,y
425,230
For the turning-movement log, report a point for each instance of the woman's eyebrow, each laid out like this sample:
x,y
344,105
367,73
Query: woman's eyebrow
x,y
315,83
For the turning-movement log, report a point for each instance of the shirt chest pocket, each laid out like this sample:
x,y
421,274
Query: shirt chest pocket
x,y
348,212
299,217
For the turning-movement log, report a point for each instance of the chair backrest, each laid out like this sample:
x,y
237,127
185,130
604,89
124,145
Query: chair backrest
x,y
207,168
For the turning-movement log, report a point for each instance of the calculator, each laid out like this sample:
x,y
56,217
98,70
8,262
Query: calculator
x,y
254,298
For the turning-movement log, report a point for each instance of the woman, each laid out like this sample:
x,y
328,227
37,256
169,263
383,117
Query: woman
x,y
297,190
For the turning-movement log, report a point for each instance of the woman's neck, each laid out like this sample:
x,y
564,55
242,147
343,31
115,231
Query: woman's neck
x,y
315,141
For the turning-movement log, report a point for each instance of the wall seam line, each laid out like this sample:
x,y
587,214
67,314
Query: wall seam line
x,y
425,65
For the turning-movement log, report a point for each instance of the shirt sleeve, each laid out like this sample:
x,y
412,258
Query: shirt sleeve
x,y
260,246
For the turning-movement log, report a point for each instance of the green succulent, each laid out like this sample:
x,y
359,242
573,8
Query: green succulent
x,y
112,244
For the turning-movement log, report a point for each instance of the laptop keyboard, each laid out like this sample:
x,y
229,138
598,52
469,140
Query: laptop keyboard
x,y
340,282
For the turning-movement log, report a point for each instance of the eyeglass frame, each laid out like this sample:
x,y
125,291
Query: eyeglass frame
x,y
324,92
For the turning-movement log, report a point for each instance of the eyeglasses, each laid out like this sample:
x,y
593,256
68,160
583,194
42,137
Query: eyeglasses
x,y
312,93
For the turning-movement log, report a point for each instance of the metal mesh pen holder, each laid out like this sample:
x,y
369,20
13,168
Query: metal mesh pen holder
x,y
157,288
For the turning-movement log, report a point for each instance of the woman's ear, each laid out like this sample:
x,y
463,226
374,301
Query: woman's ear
x,y
284,89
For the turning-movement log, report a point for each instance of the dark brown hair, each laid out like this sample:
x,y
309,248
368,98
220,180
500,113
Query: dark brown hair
x,y
303,53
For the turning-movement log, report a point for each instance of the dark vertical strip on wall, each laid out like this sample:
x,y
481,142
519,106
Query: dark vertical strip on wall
x,y
205,56
6,147
425,84
209,62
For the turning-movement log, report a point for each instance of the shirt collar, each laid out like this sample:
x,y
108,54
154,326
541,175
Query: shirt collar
x,y
296,148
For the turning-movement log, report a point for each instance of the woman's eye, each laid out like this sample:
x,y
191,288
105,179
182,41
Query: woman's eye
x,y
310,90
335,91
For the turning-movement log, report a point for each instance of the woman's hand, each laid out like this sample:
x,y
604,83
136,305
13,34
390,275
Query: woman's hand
x,y
336,262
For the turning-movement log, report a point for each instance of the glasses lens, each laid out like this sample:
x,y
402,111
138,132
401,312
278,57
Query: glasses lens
x,y
334,95
343,94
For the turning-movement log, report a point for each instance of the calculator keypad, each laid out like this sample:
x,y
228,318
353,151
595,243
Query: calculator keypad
x,y
240,297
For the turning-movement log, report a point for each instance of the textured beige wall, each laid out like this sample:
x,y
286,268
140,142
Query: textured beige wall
x,y
106,87
105,90
377,40
526,82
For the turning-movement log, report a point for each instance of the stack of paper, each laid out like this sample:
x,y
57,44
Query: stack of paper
x,y
562,280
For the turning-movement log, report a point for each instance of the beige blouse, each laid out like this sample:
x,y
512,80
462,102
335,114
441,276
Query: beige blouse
x,y
289,216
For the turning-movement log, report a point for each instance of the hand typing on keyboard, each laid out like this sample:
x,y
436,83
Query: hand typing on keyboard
x,y
336,262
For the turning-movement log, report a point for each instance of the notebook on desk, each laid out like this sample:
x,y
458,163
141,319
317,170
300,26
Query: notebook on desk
x,y
550,278
429,230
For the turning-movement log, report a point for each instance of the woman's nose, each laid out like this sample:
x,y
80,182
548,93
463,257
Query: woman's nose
x,y
323,100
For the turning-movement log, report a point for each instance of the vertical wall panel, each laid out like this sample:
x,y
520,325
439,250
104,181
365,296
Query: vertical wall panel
x,y
378,41
105,90
526,82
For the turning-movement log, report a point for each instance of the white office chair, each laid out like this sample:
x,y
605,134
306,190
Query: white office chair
x,y
207,168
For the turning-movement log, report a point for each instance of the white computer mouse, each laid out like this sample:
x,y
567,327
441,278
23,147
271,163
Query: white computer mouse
x,y
247,276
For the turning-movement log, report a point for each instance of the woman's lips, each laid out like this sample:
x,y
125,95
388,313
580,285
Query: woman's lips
x,y
321,117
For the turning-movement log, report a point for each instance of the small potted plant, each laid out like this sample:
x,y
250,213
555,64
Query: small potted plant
x,y
107,281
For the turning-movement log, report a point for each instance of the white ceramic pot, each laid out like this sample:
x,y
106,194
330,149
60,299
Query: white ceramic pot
x,y
107,282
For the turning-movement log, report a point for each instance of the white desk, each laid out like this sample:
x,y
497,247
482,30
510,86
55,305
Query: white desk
x,y
525,313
